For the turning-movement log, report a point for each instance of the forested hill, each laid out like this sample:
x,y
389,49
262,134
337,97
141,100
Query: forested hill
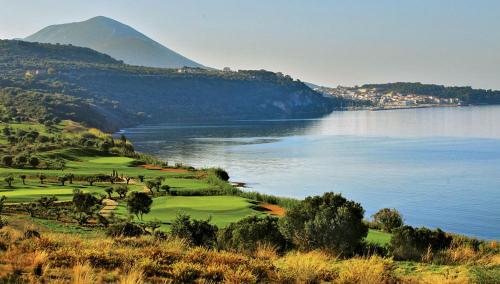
x,y
97,90
467,94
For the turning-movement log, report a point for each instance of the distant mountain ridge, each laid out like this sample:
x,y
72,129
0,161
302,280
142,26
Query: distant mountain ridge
x,y
116,39
40,80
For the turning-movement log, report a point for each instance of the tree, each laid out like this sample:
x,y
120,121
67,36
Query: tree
x,y
109,191
141,178
328,222
123,139
34,162
165,188
158,181
122,190
41,177
85,206
21,160
150,185
139,203
7,161
247,233
62,179
127,179
23,178
2,201
9,180
196,232
91,180
47,202
70,177
388,219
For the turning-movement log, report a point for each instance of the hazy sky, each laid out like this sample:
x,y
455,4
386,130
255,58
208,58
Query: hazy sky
x,y
329,42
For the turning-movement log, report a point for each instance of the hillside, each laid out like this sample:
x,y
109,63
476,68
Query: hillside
x,y
116,39
466,94
125,95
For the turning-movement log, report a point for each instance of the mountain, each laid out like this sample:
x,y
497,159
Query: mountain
x,y
84,85
116,39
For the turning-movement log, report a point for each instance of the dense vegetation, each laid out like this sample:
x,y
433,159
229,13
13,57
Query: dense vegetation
x,y
121,94
467,95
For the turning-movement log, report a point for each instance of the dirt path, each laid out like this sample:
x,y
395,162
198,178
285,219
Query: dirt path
x,y
109,206
274,209
156,168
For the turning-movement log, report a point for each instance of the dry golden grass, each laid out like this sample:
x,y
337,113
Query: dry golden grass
x,y
374,269
134,276
266,251
309,267
83,273
70,258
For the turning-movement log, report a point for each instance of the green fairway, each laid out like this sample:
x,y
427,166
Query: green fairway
x,y
221,209
112,160
32,192
378,237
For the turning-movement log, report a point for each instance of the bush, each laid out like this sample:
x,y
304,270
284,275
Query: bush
x,y
222,174
197,232
124,230
408,243
328,222
248,233
388,219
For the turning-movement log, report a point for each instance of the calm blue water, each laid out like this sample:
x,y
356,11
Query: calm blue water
x,y
440,167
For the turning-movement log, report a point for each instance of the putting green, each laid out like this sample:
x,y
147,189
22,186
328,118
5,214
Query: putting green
x,y
221,209
111,160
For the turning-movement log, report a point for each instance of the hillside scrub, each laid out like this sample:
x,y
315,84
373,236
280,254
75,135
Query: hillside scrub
x,y
56,257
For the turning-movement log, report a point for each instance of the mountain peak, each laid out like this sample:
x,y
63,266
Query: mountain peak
x,y
114,38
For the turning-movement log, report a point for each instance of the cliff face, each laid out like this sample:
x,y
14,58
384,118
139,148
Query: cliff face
x,y
125,95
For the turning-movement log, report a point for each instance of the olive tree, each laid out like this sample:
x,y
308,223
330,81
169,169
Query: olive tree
x,y
328,222
9,180
139,203
388,219
85,206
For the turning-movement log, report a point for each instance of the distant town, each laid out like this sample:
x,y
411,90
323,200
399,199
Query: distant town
x,y
372,98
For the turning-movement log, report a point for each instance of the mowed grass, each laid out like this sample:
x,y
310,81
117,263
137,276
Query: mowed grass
x,y
378,237
31,192
112,160
222,210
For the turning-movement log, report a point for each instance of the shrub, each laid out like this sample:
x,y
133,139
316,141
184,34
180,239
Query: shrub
x,y
197,232
124,230
388,219
7,161
28,234
246,234
222,174
328,222
122,190
408,243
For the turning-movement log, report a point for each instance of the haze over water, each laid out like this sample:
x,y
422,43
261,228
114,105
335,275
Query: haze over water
x,y
439,166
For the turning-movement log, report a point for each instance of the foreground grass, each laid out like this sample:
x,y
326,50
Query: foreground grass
x,y
72,258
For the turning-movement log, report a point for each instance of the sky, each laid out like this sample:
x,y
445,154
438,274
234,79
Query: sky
x,y
350,42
